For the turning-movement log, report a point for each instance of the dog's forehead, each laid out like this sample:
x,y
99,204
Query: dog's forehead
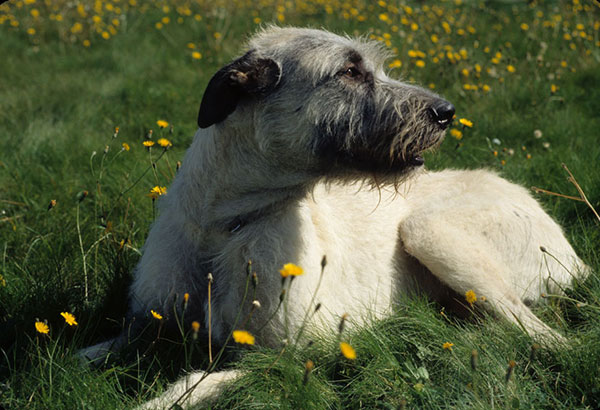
x,y
318,50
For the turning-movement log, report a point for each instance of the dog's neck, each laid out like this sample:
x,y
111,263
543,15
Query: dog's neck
x,y
233,192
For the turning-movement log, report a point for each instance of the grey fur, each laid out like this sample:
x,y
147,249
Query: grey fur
x,y
313,125
290,144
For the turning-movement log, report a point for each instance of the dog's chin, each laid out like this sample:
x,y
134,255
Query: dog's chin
x,y
364,161
365,166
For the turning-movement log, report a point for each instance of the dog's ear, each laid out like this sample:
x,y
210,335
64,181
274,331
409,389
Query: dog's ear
x,y
249,75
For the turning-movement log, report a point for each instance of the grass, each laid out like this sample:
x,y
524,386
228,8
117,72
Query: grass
x,y
61,99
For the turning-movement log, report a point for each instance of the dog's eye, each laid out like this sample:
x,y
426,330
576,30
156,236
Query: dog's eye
x,y
351,72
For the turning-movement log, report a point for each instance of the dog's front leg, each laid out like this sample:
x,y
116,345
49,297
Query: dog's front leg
x,y
464,260
192,390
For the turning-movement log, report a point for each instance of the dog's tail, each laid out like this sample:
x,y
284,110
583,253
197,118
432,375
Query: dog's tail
x,y
193,389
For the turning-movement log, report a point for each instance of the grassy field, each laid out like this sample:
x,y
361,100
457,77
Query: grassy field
x,y
84,83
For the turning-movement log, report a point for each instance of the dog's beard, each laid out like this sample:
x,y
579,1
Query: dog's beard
x,y
390,157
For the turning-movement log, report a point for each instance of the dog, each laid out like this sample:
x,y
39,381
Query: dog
x,y
307,148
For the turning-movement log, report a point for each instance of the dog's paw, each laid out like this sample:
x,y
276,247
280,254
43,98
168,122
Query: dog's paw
x,y
198,387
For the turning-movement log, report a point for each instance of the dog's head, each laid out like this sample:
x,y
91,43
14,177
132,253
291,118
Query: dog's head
x,y
329,95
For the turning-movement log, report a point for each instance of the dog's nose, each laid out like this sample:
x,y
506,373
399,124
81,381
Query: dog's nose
x,y
442,112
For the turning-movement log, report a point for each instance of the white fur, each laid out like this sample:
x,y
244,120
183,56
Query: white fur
x,y
442,233
472,229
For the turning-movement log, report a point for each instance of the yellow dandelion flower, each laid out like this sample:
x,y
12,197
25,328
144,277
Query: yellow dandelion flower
x,y
42,328
395,64
511,68
196,55
156,315
420,63
456,133
163,142
195,326
308,368
470,297
157,191
162,123
447,346
446,27
348,351
148,143
553,88
289,269
126,146
524,26
69,318
466,122
243,337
